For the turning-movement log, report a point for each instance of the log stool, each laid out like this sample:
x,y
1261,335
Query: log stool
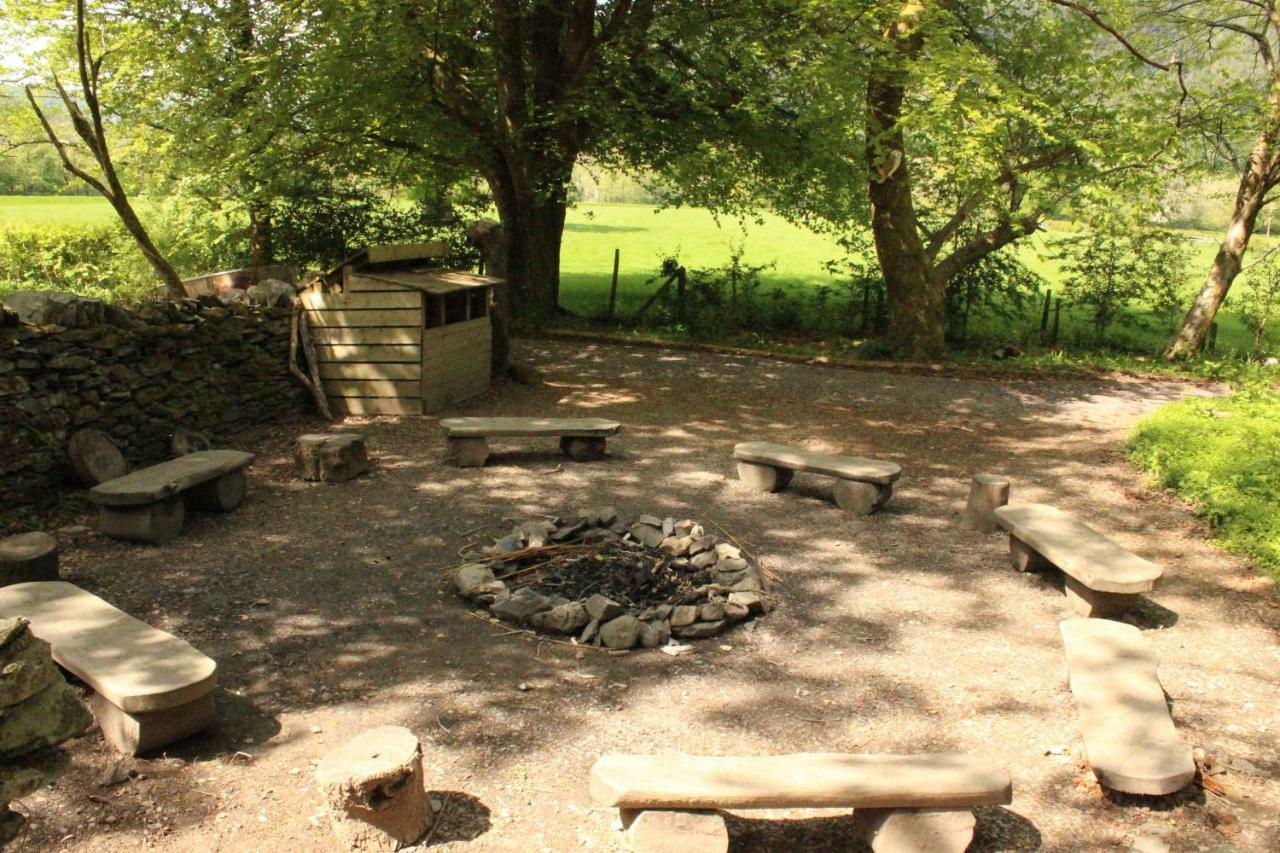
x,y
373,790
987,493
95,459
330,458
28,557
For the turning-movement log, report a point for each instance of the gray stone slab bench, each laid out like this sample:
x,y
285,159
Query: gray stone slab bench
x,y
149,505
149,687
581,439
1129,737
901,802
862,485
1101,578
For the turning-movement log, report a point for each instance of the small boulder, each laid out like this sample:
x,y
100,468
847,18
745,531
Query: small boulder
x,y
590,632
685,614
699,630
651,634
563,618
647,535
603,609
470,578
520,606
753,601
621,633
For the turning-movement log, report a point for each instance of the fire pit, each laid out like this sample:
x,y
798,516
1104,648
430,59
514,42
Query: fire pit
x,y
608,583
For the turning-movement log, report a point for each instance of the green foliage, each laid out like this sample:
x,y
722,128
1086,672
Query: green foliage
x,y
1259,305
1224,456
999,284
1113,264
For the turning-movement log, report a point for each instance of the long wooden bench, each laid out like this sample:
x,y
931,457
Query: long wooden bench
x,y
922,801
1101,578
149,687
1129,737
862,485
581,439
149,505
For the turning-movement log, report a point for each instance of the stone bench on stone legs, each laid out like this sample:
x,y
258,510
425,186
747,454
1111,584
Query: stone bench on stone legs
x,y
1101,578
1129,737
862,485
149,687
150,504
901,802
581,439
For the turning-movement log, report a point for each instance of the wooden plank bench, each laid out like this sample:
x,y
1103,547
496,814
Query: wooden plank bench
x,y
581,439
1129,737
922,801
1101,578
149,504
149,687
862,485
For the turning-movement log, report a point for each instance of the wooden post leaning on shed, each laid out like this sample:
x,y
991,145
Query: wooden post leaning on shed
x,y
298,327
613,285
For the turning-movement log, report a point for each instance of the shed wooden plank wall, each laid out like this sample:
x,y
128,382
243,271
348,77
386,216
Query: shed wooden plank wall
x,y
455,362
369,345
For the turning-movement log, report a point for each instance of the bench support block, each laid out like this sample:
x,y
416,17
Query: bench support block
x,y
987,492
1100,605
134,734
467,452
582,448
663,831
764,478
157,522
915,830
220,495
1025,558
862,498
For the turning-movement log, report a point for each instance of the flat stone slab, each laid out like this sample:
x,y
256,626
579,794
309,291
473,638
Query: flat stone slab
x,y
816,462
499,427
801,780
153,484
1129,738
1078,549
132,665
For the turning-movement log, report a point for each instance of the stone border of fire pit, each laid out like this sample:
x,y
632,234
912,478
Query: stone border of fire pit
x,y
733,587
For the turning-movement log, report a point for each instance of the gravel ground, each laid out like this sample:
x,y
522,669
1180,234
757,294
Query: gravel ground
x,y
329,611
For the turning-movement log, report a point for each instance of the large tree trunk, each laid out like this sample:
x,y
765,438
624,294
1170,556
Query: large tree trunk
x,y
1259,176
533,225
917,297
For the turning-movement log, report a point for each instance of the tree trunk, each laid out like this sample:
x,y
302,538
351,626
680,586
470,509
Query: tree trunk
x,y
1257,179
917,297
262,248
533,228
159,263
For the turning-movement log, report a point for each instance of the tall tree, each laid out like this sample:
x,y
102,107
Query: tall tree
x,y
1236,44
90,127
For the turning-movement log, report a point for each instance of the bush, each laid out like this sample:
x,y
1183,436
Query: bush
x,y
84,260
1223,455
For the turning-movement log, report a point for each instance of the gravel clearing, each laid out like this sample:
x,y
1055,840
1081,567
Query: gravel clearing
x,y
330,610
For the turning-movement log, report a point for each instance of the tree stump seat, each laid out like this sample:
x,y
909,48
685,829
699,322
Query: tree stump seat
x,y
898,799
1101,578
28,557
150,688
373,790
581,439
862,485
330,457
1129,737
150,504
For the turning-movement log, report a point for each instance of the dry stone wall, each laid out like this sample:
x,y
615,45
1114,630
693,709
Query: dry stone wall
x,y
138,376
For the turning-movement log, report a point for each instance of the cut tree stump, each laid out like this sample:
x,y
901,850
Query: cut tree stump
x,y
95,459
28,557
330,458
374,791
987,492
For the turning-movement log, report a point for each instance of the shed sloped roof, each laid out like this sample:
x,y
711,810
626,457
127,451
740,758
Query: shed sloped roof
x,y
434,282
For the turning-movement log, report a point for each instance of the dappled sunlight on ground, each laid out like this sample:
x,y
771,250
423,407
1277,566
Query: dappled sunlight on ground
x,y
329,609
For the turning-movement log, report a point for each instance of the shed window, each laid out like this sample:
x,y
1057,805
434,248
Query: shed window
x,y
435,311
479,302
455,307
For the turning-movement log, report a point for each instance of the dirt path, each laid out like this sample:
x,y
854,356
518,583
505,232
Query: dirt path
x,y
328,613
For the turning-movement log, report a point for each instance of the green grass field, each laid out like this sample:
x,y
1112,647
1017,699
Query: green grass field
x,y
645,235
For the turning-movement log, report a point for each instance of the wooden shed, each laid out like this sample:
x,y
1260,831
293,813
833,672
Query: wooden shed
x,y
394,335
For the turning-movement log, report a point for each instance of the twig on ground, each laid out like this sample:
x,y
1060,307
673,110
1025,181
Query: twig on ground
x,y
444,804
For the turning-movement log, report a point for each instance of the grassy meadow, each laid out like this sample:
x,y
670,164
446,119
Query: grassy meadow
x,y
645,235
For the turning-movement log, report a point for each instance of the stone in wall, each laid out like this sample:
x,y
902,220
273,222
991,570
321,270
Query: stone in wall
x,y
136,375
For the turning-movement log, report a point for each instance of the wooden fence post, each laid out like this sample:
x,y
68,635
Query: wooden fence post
x,y
682,282
1057,316
613,286
1044,314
